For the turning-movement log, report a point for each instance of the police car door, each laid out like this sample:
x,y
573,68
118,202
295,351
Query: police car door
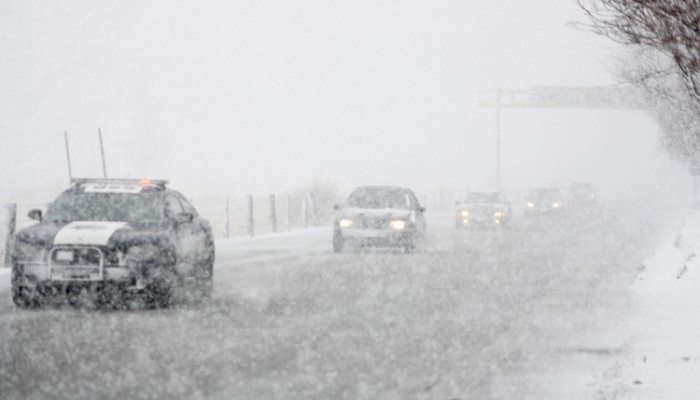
x,y
197,242
418,211
182,234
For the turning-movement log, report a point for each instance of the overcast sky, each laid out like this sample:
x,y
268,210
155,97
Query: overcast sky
x,y
263,96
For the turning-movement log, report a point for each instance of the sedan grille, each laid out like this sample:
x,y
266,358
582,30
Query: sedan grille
x,y
373,222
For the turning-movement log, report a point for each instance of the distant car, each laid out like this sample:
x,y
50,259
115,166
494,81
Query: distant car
x,y
583,194
111,239
483,209
379,216
544,202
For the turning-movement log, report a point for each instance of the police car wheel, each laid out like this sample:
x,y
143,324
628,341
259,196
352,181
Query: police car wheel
x,y
112,296
159,294
205,282
204,286
24,297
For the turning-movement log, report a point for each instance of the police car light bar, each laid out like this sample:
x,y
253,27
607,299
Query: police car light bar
x,y
140,182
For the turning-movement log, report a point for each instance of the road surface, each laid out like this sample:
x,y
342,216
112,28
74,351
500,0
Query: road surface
x,y
471,315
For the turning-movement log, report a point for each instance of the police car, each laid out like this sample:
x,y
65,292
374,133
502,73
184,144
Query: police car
x,y
111,239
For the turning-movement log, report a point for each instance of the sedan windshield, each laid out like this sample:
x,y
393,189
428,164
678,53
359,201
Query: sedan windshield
x,y
545,194
379,198
483,198
126,207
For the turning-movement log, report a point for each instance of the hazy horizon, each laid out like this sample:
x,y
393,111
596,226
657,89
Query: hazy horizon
x,y
247,97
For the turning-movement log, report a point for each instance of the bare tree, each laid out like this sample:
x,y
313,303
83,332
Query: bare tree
x,y
668,101
669,26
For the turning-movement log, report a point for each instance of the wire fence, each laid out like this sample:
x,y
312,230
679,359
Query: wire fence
x,y
254,215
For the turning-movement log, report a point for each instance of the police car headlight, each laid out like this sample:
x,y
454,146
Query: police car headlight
x,y
464,213
530,204
24,251
498,214
397,224
142,254
345,223
556,204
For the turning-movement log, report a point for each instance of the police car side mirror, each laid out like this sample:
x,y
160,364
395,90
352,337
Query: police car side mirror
x,y
35,214
336,207
184,218
421,209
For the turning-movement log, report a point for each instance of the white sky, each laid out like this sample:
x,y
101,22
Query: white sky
x,y
263,96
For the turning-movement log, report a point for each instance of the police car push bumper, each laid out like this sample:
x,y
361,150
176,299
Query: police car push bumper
x,y
78,255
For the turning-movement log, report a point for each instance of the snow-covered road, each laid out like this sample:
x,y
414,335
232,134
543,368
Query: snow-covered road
x,y
473,315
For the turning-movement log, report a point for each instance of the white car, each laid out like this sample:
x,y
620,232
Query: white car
x,y
482,209
379,216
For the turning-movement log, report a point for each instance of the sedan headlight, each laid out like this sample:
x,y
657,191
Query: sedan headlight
x,y
464,213
530,204
345,223
556,204
498,214
398,225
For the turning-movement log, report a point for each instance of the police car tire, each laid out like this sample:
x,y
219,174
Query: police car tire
x,y
205,286
22,297
160,294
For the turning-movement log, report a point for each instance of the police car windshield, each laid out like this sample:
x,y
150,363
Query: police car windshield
x,y
123,207
482,198
379,198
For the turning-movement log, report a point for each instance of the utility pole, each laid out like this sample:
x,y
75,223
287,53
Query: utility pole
x,y
273,213
11,224
498,140
289,212
102,151
70,171
251,216
228,219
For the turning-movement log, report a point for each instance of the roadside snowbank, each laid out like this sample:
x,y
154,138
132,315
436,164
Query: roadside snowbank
x,y
664,357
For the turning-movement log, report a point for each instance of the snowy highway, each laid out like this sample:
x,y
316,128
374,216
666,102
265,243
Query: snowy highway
x,y
470,315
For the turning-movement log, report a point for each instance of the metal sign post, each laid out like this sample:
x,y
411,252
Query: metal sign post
x,y
615,98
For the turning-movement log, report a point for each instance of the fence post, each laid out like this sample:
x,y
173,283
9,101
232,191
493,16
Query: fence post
x,y
10,225
289,212
273,213
305,212
228,219
251,216
311,212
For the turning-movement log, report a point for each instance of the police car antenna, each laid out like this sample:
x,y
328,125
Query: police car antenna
x,y
102,152
70,171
